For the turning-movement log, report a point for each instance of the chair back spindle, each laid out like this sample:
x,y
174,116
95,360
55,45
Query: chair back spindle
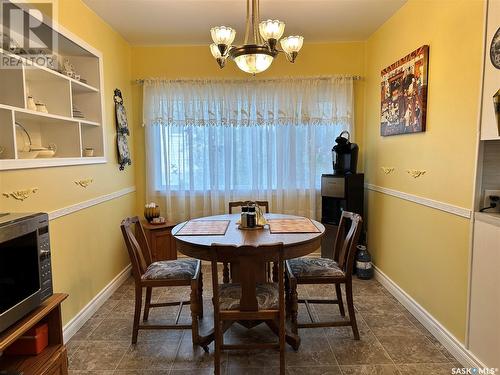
x,y
237,204
347,240
137,245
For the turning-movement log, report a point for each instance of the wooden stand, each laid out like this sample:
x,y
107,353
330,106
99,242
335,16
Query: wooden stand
x,y
160,240
53,360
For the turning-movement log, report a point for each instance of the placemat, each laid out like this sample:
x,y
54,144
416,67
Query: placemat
x,y
303,225
204,228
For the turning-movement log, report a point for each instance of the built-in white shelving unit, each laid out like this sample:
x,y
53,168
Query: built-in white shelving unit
x,y
58,129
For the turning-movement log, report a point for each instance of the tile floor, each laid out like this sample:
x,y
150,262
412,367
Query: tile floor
x,y
392,340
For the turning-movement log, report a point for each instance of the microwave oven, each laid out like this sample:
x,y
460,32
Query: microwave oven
x,y
25,266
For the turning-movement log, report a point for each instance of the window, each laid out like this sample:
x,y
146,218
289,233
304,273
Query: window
x,y
243,159
209,142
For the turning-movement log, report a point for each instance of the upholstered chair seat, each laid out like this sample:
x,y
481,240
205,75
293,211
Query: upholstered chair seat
x,y
324,271
171,269
315,267
267,296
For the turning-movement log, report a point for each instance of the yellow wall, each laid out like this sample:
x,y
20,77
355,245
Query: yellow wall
x,y
423,250
197,62
87,248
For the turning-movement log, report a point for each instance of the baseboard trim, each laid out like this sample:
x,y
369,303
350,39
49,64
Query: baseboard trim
x,y
95,303
445,337
89,203
438,205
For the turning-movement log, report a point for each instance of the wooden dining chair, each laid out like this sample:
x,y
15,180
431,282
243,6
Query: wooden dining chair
x,y
226,271
335,271
248,300
149,275
237,204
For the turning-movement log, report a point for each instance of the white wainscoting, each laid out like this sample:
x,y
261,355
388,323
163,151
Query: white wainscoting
x,y
86,313
95,303
442,206
445,337
89,203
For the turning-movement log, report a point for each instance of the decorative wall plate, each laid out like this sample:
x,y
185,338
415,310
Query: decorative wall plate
x,y
495,49
121,131
123,148
121,113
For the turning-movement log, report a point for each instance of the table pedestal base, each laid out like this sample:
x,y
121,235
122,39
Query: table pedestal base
x,y
291,339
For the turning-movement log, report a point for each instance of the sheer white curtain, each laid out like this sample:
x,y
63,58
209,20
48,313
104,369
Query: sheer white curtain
x,y
210,142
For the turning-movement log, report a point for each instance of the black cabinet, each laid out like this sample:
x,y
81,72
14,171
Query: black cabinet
x,y
339,193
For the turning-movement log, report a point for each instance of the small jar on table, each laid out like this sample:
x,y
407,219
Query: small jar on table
x,y
160,240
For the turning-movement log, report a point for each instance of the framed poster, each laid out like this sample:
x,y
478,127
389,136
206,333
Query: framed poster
x,y
404,94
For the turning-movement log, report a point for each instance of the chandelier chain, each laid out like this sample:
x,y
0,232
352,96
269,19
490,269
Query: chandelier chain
x,y
247,30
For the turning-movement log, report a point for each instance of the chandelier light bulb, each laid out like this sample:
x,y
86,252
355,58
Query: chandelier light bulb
x,y
215,51
223,35
271,29
292,44
254,63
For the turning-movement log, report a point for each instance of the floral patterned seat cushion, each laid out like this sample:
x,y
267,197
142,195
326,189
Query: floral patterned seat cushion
x,y
267,296
171,269
315,267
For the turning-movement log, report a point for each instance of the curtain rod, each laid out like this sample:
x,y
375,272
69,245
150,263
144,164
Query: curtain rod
x,y
353,77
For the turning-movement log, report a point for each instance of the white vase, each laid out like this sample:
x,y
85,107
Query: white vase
x,y
31,103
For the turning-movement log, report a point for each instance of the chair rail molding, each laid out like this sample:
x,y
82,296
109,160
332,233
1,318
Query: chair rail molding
x,y
438,205
89,203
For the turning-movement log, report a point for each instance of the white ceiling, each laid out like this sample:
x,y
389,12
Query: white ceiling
x,y
156,22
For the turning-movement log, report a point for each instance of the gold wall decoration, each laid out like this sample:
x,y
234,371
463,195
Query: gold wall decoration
x,y
85,182
20,195
387,170
415,173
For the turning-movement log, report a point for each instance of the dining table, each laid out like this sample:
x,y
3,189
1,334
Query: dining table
x,y
294,245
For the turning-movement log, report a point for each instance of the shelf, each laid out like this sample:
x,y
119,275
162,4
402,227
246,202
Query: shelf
x,y
12,334
41,118
53,356
488,217
22,113
89,123
11,164
82,87
30,364
63,96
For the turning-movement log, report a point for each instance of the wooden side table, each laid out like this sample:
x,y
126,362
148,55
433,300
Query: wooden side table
x,y
53,359
160,240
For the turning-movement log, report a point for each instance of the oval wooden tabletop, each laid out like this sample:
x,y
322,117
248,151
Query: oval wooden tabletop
x,y
295,244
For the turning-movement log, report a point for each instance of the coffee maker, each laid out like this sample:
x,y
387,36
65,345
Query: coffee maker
x,y
344,155
342,190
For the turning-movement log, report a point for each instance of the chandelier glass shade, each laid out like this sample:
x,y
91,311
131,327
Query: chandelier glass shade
x,y
254,56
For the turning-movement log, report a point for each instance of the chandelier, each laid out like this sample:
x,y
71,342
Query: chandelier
x,y
260,45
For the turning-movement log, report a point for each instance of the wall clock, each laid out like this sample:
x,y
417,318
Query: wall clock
x,y
495,50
